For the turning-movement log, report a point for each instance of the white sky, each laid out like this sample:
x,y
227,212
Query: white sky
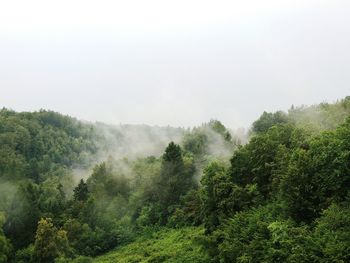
x,y
172,62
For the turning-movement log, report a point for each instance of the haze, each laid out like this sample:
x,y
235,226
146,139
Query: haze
x,y
177,63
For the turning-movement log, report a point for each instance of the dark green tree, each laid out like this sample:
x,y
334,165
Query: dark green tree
x,y
318,176
5,246
81,192
174,180
267,120
256,163
23,215
210,180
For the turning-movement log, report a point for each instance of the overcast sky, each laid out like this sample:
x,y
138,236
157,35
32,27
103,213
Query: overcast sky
x,y
176,63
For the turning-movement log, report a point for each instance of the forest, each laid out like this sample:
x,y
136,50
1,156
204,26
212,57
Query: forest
x,y
75,191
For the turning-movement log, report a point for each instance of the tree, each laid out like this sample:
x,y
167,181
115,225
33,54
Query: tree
x,y
104,181
218,127
212,174
50,242
332,233
196,142
52,200
319,175
222,198
255,162
23,215
267,120
81,192
174,179
5,246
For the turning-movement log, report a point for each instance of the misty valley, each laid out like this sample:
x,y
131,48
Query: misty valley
x,y
77,191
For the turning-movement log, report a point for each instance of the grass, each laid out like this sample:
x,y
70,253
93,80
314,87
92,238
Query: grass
x,y
167,245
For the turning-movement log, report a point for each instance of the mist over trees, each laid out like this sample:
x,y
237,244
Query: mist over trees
x,y
71,191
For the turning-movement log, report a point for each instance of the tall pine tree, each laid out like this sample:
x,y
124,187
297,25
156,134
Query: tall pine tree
x,y
174,181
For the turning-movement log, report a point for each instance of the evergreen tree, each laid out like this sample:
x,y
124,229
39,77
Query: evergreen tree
x,y
81,192
174,180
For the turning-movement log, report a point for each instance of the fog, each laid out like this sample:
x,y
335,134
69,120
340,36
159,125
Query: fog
x,y
172,63
135,141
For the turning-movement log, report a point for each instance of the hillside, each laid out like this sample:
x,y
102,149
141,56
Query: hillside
x,y
76,191
167,245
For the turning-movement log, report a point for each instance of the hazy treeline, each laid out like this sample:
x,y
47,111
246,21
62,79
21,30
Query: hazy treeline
x,y
91,186
73,190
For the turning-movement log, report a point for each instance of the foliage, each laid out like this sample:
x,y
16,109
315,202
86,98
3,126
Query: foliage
x,y
175,180
332,233
34,145
5,246
267,120
50,242
282,197
81,191
318,176
167,245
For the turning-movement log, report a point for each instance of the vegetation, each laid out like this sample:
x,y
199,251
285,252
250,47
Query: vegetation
x,y
67,195
166,245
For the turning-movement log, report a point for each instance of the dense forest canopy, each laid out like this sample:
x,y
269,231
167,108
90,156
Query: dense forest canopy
x,y
71,191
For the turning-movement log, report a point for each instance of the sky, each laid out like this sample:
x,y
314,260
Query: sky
x,y
178,63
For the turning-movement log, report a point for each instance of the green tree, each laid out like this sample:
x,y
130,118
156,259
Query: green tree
x,y
23,215
218,127
332,233
256,162
175,180
104,181
267,120
50,242
318,176
5,246
213,174
81,192
196,142
52,199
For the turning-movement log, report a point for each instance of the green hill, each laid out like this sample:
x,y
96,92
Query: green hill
x,y
283,196
168,245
